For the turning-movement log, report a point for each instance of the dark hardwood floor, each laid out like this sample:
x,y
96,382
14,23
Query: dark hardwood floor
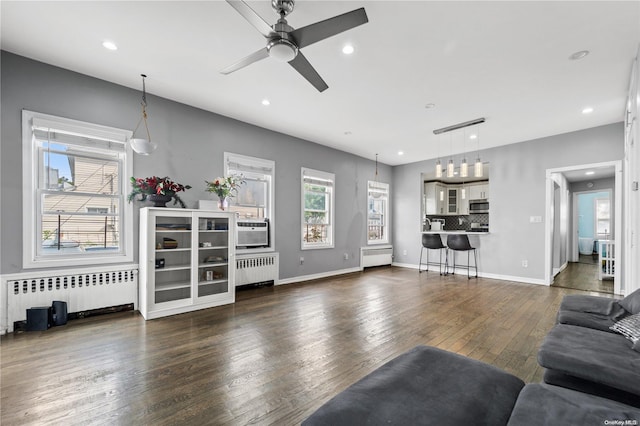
x,y
273,357
583,276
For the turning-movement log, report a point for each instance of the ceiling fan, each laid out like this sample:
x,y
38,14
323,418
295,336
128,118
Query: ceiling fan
x,y
284,42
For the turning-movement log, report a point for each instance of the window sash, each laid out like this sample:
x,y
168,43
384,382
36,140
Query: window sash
x,y
317,232
102,147
377,221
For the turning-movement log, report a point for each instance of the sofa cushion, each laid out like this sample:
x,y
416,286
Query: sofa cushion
x,y
593,355
629,327
425,386
592,304
586,319
632,302
541,404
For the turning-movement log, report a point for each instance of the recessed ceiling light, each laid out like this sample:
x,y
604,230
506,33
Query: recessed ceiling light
x,y
400,152
578,55
590,172
473,136
109,45
347,49
266,102
430,105
587,110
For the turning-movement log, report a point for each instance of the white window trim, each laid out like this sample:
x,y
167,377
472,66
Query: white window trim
x,y
30,181
386,216
305,171
271,210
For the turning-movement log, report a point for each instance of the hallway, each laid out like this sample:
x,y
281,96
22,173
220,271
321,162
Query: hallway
x,y
582,276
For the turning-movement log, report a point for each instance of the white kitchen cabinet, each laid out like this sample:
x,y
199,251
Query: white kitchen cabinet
x,y
452,194
186,260
463,202
479,191
435,198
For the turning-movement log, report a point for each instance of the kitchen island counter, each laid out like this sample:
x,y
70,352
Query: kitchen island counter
x,y
456,232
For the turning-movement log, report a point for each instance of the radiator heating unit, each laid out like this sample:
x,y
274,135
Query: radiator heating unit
x,y
261,268
83,290
376,256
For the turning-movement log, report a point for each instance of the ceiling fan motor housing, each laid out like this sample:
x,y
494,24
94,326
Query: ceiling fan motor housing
x,y
283,7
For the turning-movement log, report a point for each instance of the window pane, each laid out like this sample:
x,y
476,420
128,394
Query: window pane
x,y
602,209
603,227
69,234
250,201
80,203
315,233
64,170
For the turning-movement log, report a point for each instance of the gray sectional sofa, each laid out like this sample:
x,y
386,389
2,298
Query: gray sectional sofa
x,y
584,353
592,378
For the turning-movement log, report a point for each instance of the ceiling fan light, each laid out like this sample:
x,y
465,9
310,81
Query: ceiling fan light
x,y
282,50
142,146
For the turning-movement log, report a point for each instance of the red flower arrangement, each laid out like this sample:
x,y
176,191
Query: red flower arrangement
x,y
157,186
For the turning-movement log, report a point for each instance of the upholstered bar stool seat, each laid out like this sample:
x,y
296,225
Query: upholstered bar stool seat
x,y
434,242
460,242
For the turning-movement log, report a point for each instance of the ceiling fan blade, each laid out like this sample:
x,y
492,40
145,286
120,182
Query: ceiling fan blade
x,y
329,27
303,66
251,16
254,57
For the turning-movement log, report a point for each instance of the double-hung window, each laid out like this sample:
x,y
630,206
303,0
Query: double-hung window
x,y
75,178
317,209
377,212
603,218
255,197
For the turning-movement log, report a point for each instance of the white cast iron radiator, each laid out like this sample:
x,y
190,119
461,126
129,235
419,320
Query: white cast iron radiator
x,y
82,289
257,268
376,256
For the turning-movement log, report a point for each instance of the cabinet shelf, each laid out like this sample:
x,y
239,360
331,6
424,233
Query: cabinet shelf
x,y
173,268
213,248
172,286
212,265
213,230
201,283
172,231
179,249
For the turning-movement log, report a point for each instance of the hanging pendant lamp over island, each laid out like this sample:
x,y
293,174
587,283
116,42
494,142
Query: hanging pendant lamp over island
x,y
464,167
143,146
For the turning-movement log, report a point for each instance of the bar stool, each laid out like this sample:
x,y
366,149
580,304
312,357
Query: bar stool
x,y
434,242
460,242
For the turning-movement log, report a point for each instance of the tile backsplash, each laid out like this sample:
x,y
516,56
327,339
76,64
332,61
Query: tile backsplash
x,y
462,223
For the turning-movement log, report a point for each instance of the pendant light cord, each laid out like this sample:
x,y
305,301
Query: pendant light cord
x,y
144,110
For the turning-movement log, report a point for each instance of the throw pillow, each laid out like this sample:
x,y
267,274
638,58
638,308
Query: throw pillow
x,y
632,302
629,327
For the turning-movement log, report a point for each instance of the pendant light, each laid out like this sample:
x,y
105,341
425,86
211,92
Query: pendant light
x,y
450,166
375,190
143,146
438,163
464,167
478,168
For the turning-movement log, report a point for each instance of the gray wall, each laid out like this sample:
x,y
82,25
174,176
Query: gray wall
x,y
191,146
517,192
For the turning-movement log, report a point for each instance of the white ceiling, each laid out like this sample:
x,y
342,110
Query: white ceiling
x,y
506,61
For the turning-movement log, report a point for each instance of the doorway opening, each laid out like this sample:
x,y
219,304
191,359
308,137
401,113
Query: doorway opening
x,y
583,208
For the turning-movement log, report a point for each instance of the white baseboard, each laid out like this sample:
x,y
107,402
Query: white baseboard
x,y
317,276
526,280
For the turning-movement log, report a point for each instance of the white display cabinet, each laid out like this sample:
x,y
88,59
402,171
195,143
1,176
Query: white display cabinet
x,y
186,260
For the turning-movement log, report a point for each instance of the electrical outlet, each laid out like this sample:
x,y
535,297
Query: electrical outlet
x,y
404,252
302,260
525,264
346,256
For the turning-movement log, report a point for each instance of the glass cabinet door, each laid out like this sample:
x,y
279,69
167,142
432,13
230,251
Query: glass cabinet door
x,y
213,256
172,273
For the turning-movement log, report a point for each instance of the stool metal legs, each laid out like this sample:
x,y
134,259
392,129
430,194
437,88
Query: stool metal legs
x,y
468,265
440,264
